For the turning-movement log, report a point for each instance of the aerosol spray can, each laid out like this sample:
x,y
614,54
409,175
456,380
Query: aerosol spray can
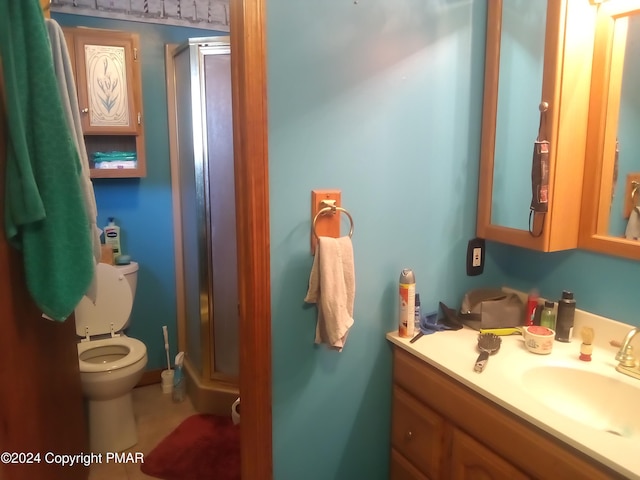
x,y
407,307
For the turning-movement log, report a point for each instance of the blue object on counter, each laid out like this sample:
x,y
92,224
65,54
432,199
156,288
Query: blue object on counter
x,y
428,325
122,260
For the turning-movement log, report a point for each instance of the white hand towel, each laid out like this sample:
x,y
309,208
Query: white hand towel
x,y
633,226
332,288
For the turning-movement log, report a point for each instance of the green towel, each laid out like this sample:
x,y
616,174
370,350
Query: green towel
x,y
44,210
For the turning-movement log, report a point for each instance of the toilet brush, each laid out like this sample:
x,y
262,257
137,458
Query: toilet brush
x,y
167,375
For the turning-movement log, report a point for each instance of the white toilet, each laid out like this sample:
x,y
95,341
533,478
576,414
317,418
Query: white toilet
x,y
110,362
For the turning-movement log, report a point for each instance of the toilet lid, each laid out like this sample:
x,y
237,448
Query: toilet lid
x,y
113,303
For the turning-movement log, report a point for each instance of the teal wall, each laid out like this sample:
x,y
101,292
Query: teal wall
x,y
381,99
142,207
602,284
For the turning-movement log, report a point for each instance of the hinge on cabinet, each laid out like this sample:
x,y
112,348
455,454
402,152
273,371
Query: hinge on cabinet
x,y
135,54
139,118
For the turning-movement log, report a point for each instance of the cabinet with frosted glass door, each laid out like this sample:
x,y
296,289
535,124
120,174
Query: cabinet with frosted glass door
x,y
108,81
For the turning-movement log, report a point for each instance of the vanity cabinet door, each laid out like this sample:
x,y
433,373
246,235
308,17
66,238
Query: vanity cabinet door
x,y
471,460
107,71
478,438
402,469
537,53
417,433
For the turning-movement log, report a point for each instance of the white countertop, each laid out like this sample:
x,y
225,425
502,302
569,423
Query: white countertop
x,y
455,353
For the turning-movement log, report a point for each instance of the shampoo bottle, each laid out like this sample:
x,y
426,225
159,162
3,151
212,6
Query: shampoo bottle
x,y
112,237
564,320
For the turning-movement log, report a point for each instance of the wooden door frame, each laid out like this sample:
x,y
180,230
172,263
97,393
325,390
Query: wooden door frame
x,y
249,79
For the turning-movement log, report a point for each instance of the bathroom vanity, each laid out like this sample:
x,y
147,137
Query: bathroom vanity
x,y
449,422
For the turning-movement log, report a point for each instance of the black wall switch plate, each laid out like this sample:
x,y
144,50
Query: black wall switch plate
x,y
475,256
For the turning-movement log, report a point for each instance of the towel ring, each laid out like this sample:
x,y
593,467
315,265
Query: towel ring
x,y
333,210
636,186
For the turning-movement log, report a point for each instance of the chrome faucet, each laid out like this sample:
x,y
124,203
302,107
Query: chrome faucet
x,y
625,357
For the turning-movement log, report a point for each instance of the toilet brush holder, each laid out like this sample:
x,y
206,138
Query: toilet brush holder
x,y
167,381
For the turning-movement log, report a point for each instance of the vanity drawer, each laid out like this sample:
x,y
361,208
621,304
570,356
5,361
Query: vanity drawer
x,y
402,469
417,433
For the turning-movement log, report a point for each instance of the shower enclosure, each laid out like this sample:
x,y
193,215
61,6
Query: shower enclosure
x,y
201,140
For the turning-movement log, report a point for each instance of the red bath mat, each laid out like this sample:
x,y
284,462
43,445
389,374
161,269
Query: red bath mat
x,y
201,447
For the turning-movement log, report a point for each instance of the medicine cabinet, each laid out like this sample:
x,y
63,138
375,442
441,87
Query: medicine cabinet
x,y
537,53
106,65
613,142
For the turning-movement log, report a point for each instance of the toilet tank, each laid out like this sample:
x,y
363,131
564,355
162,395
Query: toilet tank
x,y
130,272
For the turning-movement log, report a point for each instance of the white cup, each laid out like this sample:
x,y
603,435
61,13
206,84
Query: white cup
x,y
167,381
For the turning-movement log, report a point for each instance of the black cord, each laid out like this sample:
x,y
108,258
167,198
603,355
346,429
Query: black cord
x,y
531,232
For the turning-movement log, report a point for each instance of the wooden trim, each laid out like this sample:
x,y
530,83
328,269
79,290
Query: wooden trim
x,y
215,397
512,236
45,5
169,51
249,79
611,113
489,117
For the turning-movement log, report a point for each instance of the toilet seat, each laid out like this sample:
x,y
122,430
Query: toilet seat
x,y
136,351
112,308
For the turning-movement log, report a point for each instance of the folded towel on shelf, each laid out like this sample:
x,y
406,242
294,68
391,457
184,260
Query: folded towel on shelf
x,y
332,288
116,165
113,156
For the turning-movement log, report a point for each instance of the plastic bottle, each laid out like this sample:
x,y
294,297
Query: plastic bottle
x,y
532,304
564,320
548,317
407,305
112,237
416,320
179,389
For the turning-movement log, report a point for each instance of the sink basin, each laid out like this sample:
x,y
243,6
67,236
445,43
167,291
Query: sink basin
x,y
593,399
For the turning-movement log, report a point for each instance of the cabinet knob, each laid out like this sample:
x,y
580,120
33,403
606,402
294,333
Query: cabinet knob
x,y
409,435
85,110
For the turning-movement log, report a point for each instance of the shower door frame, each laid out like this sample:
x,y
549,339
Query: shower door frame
x,y
250,132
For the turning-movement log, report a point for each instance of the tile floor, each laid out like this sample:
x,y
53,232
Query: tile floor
x,y
157,416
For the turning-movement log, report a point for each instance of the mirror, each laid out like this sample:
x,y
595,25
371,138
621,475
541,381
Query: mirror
x,y
613,136
521,68
537,53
